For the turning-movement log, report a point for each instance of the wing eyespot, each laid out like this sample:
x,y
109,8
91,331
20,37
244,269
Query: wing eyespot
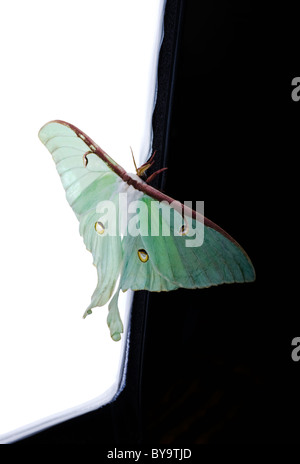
x,y
99,228
184,229
143,255
85,160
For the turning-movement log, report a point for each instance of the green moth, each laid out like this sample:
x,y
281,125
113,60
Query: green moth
x,y
144,257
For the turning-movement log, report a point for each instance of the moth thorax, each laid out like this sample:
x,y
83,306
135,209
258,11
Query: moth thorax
x,y
143,255
99,228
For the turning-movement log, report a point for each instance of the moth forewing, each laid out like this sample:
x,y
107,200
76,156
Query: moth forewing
x,y
107,222
138,218
184,225
161,218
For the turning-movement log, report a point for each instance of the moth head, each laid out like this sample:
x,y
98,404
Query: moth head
x,y
142,169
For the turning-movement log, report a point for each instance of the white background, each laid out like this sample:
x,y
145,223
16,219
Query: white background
x,y
93,64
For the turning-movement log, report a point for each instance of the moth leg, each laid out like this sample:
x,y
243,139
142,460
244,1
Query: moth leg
x,y
150,178
150,162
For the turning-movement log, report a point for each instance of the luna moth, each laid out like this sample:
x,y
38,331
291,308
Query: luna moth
x,y
143,260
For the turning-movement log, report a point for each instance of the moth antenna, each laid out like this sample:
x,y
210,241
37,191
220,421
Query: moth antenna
x,y
134,160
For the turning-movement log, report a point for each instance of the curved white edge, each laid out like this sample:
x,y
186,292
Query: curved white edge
x,y
63,416
108,396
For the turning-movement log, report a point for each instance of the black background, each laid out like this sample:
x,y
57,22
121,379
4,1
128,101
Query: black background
x,y
217,364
